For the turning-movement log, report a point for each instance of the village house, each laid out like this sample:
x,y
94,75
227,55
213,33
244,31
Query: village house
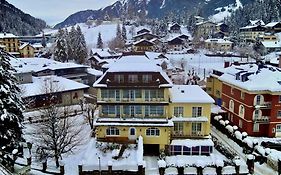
x,y
273,27
176,44
136,97
26,50
253,107
175,28
148,36
216,44
144,30
11,43
205,29
252,31
143,45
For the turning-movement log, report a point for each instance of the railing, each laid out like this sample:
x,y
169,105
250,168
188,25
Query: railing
x,y
180,134
262,119
264,105
136,100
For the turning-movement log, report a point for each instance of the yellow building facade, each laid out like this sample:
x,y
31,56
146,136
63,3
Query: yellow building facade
x,y
214,86
136,98
10,42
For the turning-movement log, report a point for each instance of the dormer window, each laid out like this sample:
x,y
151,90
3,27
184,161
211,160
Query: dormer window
x,y
147,78
119,78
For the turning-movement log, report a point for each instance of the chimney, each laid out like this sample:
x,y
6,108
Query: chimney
x,y
226,64
279,61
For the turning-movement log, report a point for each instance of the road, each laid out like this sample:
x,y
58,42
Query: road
x,y
258,170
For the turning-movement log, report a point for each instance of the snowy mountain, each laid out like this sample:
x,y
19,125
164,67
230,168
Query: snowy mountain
x,y
17,22
156,9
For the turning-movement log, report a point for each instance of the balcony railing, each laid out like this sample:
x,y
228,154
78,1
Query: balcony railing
x,y
130,100
264,105
180,134
262,119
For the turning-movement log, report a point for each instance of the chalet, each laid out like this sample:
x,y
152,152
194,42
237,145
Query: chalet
x,y
184,37
273,27
143,45
216,44
257,22
270,46
198,19
37,47
147,36
222,30
144,30
175,28
104,53
176,44
251,33
26,50
135,97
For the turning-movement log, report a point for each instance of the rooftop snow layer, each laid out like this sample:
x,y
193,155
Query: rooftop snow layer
x,y
189,94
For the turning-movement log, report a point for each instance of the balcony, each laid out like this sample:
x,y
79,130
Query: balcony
x,y
262,119
264,105
180,134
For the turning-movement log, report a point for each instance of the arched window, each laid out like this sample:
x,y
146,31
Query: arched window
x,y
152,132
258,100
132,131
112,131
241,111
257,113
231,105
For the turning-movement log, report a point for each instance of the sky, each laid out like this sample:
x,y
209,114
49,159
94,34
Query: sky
x,y
55,11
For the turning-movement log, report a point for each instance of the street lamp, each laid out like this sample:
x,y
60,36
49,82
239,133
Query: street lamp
x,y
99,163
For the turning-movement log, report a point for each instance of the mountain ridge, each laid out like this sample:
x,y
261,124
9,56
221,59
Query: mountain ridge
x,y
17,22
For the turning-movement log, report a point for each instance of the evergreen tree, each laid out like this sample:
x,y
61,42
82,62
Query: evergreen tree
x,y
99,43
124,32
81,47
60,51
71,42
118,31
10,110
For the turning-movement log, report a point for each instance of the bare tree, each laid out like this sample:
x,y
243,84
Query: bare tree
x,y
58,133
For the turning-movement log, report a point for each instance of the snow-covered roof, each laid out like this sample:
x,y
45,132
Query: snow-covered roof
x,y
7,35
59,84
189,94
218,40
37,45
24,45
271,44
143,40
190,119
252,77
255,22
22,65
193,142
134,63
271,24
94,72
102,52
154,55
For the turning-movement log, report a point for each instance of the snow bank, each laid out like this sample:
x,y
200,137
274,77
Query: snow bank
x,y
229,128
238,135
162,163
140,151
171,171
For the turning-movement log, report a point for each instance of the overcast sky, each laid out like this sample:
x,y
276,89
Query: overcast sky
x,y
55,11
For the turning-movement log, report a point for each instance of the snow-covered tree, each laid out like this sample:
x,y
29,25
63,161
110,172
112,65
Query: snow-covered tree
x,y
118,31
81,47
60,50
99,42
58,134
10,110
124,32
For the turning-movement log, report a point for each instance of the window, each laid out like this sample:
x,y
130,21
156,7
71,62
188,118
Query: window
x,y
119,78
132,131
258,99
196,128
196,111
279,114
186,150
133,78
147,78
112,131
178,126
218,93
240,124
257,113
232,91
278,128
231,105
241,111
256,127
153,94
111,110
279,98
132,111
154,111
152,132
242,95
178,111
176,149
